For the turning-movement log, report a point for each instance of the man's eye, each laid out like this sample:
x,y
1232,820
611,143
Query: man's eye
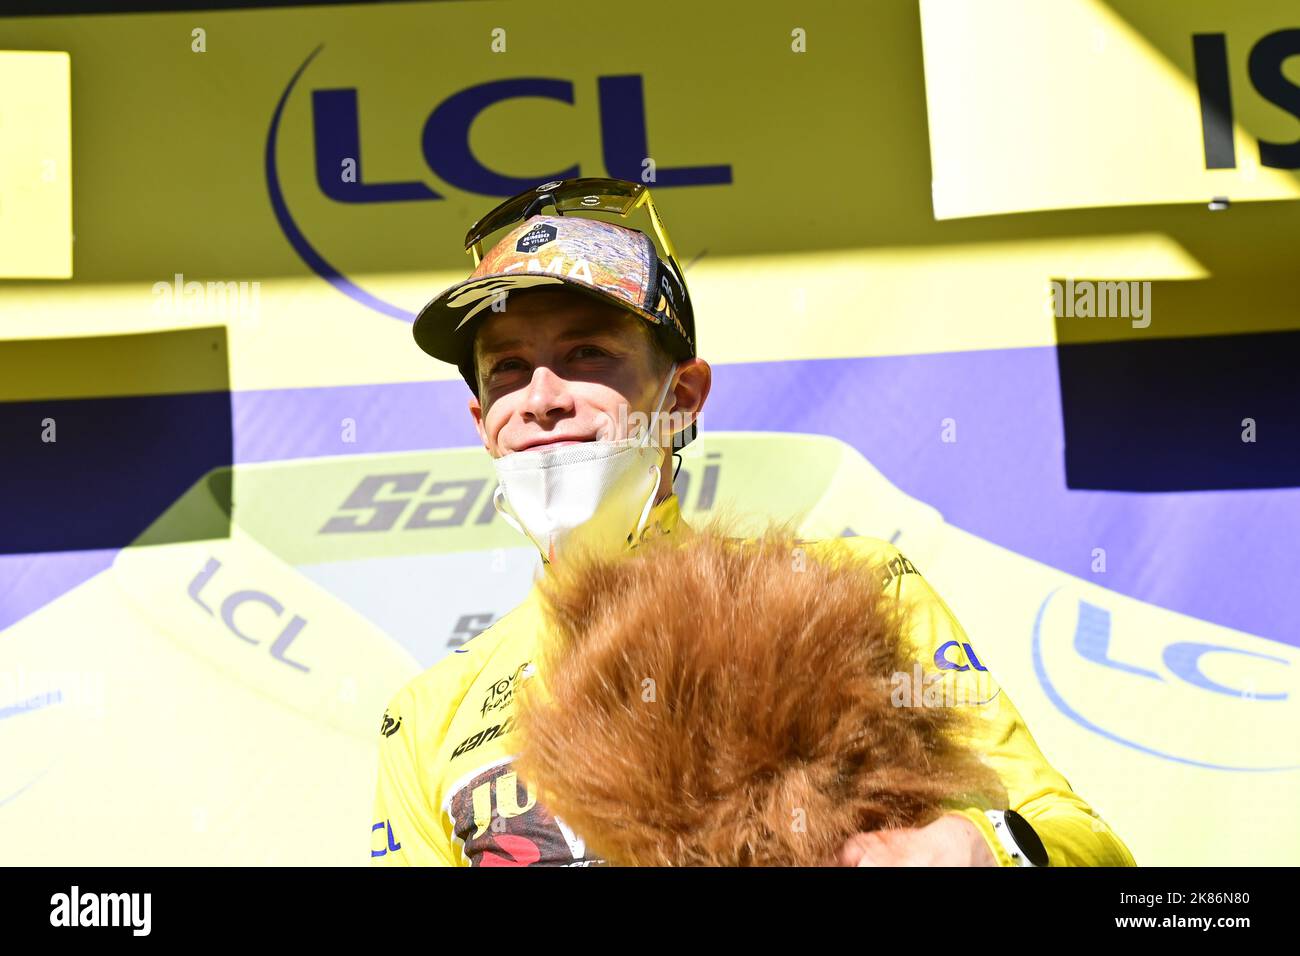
x,y
595,351
505,365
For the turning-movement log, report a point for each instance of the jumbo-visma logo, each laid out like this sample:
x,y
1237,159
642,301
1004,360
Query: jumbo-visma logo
x,y
1168,685
444,145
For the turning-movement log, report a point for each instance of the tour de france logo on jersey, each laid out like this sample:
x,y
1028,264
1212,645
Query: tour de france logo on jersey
x,y
501,693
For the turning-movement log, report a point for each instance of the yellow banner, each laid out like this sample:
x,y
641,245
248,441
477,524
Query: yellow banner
x,y
35,165
1075,103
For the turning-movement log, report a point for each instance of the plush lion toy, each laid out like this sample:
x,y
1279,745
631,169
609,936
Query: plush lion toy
x,y
725,702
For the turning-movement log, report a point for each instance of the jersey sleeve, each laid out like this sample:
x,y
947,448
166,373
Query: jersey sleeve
x,y
406,830
1072,833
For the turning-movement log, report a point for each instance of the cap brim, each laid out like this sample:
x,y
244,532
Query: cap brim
x,y
445,327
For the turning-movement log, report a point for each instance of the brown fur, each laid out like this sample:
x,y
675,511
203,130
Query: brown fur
x,y
772,705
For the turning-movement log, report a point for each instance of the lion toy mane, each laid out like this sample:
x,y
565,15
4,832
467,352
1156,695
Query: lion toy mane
x,y
727,701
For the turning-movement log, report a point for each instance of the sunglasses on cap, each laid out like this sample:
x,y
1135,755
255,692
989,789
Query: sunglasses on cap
x,y
567,196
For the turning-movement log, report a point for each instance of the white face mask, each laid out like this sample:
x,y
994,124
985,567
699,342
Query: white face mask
x,y
595,493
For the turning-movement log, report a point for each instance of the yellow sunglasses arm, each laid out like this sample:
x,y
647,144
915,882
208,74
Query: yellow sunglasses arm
x,y
661,231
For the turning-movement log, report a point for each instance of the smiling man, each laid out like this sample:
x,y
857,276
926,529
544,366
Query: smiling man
x,y
557,370
569,333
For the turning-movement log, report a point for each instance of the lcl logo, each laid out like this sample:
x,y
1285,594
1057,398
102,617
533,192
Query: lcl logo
x,y
383,827
231,604
444,142
1130,684
445,138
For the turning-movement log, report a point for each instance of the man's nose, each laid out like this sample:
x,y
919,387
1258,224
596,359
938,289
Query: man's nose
x,y
548,395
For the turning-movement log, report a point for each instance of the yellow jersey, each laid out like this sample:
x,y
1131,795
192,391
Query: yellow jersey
x,y
448,795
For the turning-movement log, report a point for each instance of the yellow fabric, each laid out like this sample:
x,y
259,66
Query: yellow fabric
x,y
447,794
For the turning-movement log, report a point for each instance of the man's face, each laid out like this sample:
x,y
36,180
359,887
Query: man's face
x,y
558,367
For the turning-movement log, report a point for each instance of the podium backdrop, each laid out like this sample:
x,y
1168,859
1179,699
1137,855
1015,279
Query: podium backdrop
x,y
240,508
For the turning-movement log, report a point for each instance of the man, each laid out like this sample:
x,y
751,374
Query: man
x,y
568,332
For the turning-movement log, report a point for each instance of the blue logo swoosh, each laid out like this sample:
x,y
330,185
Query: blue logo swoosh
x,y
306,251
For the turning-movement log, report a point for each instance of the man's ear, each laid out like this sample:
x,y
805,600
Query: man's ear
x,y
694,379
476,410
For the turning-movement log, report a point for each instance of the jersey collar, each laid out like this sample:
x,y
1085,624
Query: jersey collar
x,y
665,518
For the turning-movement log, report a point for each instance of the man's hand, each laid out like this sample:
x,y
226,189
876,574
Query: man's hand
x,y
952,840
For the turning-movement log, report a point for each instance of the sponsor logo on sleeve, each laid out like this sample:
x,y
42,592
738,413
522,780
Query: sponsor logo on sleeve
x,y
895,569
386,843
